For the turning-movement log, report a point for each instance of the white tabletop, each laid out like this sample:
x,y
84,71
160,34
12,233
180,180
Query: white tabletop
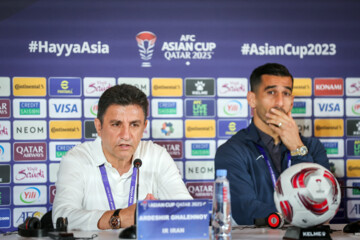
x,y
239,232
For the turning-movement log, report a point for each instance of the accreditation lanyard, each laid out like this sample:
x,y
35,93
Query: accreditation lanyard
x,y
273,178
109,195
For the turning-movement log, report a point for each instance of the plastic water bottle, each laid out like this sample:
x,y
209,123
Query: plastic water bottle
x,y
221,213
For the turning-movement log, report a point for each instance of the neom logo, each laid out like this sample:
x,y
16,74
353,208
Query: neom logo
x,y
30,195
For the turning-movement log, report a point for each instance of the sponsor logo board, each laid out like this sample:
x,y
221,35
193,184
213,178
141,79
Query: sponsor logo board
x,y
29,130
90,130
29,86
53,170
180,166
29,108
91,107
5,130
200,189
52,192
232,87
65,108
353,209
353,147
167,108
5,149
30,195
4,86
65,86
200,149
200,128
328,107
30,151
167,87
5,193
200,108
337,167
302,87
21,214
167,128
199,87
228,128
352,87
5,218
353,168
95,86
199,170
353,192
5,174
4,108
333,147
141,83
59,149
353,107
65,130
174,148
353,127
329,127
30,173
302,107
305,127
329,86
232,108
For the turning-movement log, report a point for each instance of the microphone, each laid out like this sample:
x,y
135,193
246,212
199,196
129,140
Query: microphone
x,y
130,232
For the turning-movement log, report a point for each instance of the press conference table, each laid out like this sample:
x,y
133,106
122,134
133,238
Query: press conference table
x,y
239,232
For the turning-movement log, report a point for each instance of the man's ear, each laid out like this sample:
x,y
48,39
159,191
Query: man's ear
x,y
251,98
97,124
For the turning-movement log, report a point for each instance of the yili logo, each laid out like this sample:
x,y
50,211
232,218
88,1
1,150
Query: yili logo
x,y
233,107
30,195
166,108
200,149
299,108
2,151
356,108
94,109
29,108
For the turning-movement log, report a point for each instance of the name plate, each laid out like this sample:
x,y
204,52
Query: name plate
x,y
173,219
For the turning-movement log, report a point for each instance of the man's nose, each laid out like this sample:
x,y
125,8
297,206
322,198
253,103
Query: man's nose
x,y
125,132
279,100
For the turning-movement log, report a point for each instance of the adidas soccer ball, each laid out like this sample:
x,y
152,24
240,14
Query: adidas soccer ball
x,y
307,194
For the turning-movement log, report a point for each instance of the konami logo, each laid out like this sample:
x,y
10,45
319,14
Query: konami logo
x,y
329,86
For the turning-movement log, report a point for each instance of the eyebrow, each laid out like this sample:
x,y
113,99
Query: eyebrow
x,y
274,86
119,121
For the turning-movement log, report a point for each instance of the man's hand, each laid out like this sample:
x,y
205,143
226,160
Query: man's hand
x,y
126,218
149,196
285,126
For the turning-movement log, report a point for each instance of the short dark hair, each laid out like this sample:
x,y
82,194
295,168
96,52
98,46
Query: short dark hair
x,y
123,95
275,69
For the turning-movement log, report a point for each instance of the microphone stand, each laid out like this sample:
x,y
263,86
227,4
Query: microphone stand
x,y
130,232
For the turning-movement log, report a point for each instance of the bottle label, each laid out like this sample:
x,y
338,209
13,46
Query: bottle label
x,y
225,194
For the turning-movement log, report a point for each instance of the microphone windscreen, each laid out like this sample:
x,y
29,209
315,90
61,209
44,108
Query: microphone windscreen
x,y
137,163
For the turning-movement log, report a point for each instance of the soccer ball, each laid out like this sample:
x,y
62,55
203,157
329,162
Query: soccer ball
x,y
307,195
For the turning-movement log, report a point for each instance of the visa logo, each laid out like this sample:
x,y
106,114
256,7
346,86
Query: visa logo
x,y
65,108
329,107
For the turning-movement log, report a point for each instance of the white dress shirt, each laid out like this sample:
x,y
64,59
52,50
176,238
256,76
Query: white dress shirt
x,y
80,193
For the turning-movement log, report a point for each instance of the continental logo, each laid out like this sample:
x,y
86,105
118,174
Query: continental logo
x,y
329,127
353,167
302,87
65,130
200,128
27,86
167,87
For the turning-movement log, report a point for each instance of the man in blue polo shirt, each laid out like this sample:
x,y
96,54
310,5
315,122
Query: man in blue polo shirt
x,y
257,155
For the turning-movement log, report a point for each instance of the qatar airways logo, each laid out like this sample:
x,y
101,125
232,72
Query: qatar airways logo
x,y
26,173
94,87
146,43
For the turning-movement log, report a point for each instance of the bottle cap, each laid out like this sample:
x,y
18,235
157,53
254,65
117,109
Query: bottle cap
x,y
221,173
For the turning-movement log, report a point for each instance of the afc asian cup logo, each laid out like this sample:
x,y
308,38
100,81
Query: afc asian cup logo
x,y
146,43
